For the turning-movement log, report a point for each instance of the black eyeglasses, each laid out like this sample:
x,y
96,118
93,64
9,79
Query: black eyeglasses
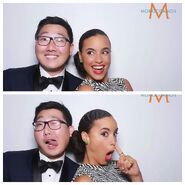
x,y
52,124
58,41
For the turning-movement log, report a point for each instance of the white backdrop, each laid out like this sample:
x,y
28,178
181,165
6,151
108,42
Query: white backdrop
x,y
145,51
150,132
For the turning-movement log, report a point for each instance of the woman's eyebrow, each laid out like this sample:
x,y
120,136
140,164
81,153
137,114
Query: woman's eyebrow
x,y
105,129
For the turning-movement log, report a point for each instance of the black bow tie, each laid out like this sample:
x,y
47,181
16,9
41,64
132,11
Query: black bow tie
x,y
44,82
56,165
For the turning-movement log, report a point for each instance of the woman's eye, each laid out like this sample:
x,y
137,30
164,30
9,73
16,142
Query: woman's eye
x,y
115,134
90,52
105,134
105,52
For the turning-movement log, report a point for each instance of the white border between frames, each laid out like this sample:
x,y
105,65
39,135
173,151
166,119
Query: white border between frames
x,y
96,93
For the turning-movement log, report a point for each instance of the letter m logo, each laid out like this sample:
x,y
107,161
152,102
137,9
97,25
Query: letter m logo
x,y
158,98
164,9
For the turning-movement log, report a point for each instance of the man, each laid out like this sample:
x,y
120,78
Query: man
x,y
52,130
53,47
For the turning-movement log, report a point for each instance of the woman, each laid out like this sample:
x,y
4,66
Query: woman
x,y
93,61
94,143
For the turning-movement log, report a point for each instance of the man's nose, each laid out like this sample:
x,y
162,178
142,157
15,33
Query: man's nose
x,y
47,130
51,45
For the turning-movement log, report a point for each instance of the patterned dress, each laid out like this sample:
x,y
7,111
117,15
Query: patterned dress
x,y
113,84
108,173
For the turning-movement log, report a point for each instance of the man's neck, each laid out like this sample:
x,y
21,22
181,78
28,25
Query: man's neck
x,y
49,74
47,158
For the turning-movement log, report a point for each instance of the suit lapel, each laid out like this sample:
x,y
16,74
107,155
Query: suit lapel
x,y
65,83
65,172
70,82
36,171
36,77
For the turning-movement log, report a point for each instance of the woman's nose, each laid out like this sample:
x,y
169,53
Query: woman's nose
x,y
113,140
99,58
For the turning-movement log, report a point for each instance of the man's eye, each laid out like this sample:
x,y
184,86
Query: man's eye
x,y
60,39
54,122
42,39
39,124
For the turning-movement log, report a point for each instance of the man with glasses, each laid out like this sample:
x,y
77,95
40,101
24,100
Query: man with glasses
x,y
52,130
53,47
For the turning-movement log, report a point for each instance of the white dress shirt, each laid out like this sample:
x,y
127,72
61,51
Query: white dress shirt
x,y
51,87
50,175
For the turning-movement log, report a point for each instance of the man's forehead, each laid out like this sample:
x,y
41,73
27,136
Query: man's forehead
x,y
52,111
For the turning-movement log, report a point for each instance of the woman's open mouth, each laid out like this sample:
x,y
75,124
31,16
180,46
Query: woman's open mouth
x,y
108,156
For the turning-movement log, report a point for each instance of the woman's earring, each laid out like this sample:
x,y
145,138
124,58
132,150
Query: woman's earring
x,y
81,61
87,141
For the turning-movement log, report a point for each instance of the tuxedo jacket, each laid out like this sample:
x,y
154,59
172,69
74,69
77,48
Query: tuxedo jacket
x,y
26,79
22,166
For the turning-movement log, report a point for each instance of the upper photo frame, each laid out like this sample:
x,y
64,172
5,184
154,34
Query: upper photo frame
x,y
115,46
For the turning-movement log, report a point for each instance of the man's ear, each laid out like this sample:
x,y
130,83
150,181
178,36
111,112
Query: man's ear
x,y
71,130
71,49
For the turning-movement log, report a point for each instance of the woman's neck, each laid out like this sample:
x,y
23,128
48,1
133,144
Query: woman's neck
x,y
89,160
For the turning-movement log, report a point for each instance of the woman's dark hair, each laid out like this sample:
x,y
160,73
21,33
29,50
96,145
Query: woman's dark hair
x,y
55,20
86,35
77,145
54,105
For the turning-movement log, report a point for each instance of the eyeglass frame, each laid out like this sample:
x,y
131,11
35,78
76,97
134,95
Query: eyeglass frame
x,y
48,123
52,39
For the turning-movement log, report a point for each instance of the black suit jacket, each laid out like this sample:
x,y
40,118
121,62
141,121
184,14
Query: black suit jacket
x,y
22,166
26,79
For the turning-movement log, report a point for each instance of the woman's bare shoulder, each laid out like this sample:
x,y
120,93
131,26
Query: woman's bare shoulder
x,y
85,88
83,178
127,83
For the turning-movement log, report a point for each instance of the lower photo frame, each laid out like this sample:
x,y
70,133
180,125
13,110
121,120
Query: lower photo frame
x,y
146,127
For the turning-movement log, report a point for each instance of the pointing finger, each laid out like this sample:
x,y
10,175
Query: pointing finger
x,y
119,151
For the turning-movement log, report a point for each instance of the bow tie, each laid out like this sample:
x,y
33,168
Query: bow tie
x,y
44,82
56,165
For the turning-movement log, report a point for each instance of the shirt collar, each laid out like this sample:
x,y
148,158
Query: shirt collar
x,y
45,158
44,73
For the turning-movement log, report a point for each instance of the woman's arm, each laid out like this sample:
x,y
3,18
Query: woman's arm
x,y
129,166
